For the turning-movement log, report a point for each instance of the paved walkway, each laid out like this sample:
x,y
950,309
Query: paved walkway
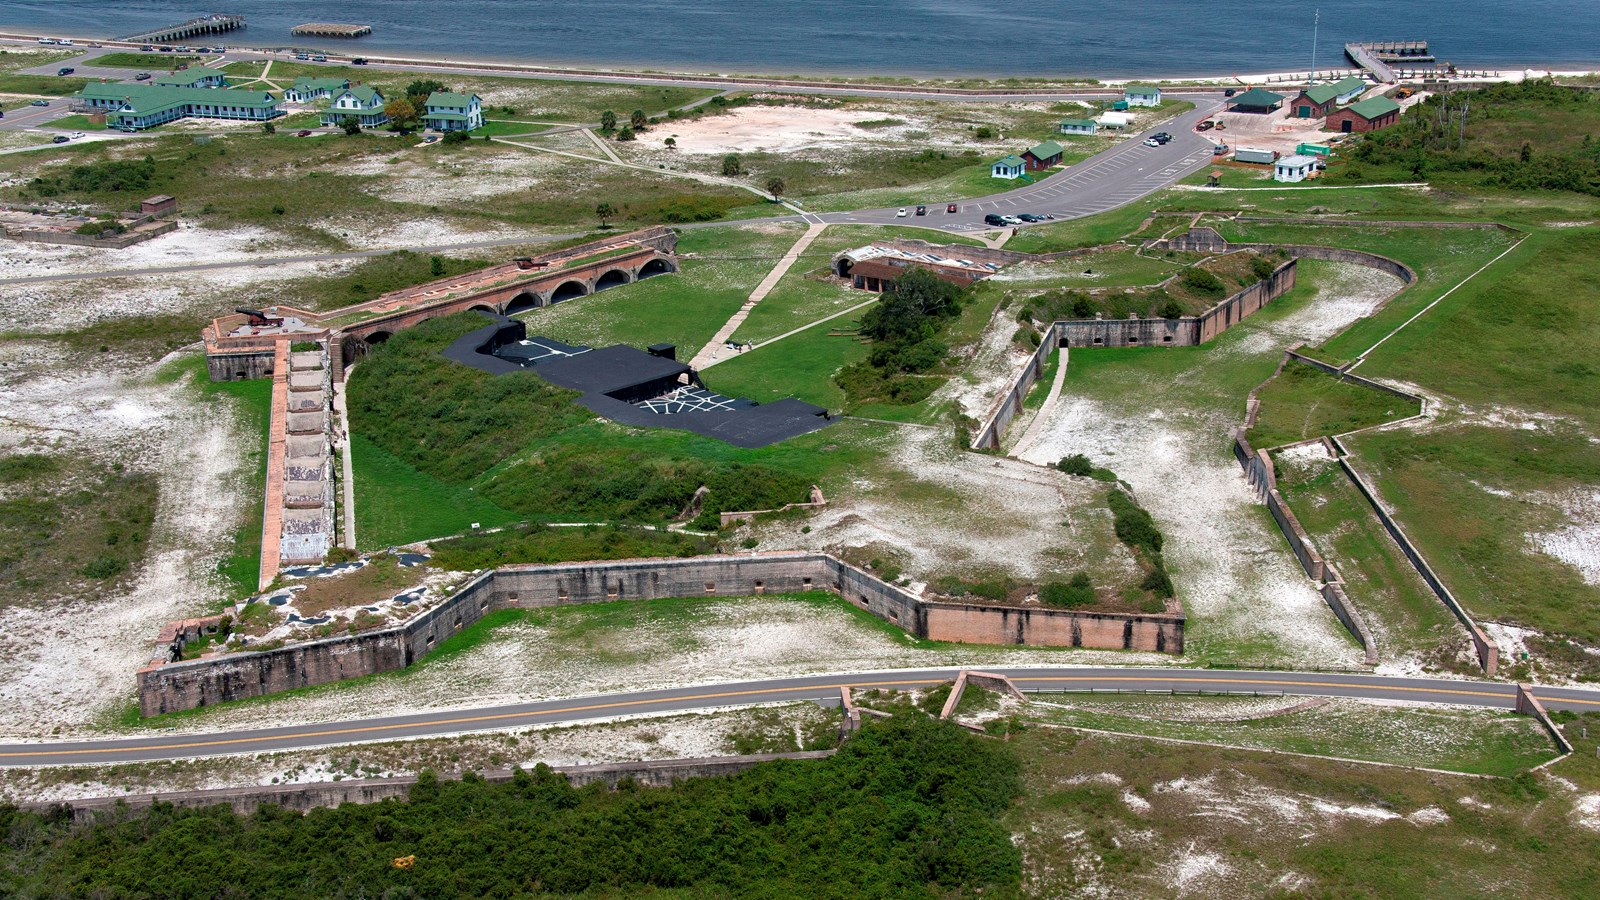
x,y
595,138
708,354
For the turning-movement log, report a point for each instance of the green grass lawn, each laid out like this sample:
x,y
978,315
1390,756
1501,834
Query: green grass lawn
x,y
503,128
1405,617
1305,402
1090,231
396,504
74,123
45,85
149,61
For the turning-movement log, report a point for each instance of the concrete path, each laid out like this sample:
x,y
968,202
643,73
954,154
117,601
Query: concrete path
x,y
595,138
1036,427
343,426
708,353
821,689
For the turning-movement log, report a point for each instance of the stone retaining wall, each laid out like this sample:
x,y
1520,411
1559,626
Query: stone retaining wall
x,y
328,794
218,679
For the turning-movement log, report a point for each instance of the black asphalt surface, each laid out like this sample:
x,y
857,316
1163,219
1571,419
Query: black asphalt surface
x,y
817,688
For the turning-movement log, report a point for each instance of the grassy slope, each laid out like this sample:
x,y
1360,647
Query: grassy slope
x,y
1304,402
398,504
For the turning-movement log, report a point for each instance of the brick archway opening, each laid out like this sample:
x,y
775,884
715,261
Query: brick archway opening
x,y
522,302
657,266
568,290
612,278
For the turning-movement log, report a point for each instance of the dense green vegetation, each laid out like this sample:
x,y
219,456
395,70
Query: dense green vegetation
x,y
908,808
905,326
69,523
543,544
107,176
1529,135
523,445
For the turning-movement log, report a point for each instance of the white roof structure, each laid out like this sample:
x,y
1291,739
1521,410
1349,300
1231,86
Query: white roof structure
x,y
1297,161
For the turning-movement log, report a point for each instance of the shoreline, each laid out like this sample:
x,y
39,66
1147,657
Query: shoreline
x,y
998,84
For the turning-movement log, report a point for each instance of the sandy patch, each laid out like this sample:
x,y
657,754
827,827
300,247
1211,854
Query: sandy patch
x,y
1231,567
775,129
189,245
1577,544
64,664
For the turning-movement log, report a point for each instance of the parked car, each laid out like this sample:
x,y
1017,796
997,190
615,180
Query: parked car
x,y
204,50
430,139
901,214
1151,142
922,210
39,103
75,135
142,76
302,56
1219,150
1011,220
358,61
1206,125
147,49
65,43
319,58
166,49
304,132
60,139
992,219
65,70
1030,217
1229,92
952,208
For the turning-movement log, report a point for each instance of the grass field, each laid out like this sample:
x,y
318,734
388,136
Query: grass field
x,y
152,62
396,504
1406,619
1305,402
43,85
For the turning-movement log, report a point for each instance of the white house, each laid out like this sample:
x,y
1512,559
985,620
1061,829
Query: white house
x,y
1294,168
1008,167
1142,95
1079,126
1114,120
364,104
449,111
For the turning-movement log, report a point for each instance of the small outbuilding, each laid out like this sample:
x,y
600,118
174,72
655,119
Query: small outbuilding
x,y
1291,169
1255,100
1255,155
1370,114
1079,126
1009,167
1042,156
1142,95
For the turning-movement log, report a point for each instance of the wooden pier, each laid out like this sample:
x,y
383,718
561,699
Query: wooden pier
x,y
331,29
213,24
1380,57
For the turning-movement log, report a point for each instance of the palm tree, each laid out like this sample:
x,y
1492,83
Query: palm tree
x,y
604,212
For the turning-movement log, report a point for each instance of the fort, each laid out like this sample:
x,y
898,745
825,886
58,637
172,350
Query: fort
x,y
242,344
171,686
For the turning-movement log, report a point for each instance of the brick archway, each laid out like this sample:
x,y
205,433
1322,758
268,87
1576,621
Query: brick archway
x,y
569,290
658,266
611,278
523,302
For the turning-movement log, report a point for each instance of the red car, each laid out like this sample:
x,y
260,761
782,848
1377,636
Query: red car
x,y
303,133
952,208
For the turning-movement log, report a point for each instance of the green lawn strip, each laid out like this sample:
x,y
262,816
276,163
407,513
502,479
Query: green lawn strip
x,y
148,61
397,504
802,365
1304,402
1487,743
1041,388
501,128
74,123
1439,484
1090,231
1442,258
47,85
1404,615
15,58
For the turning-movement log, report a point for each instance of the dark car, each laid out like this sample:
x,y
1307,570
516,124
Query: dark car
x,y
922,210
952,208
304,132
65,70
359,61
992,219
60,139
1207,125
166,49
1228,93
1030,217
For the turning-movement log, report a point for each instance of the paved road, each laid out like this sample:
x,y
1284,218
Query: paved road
x,y
819,688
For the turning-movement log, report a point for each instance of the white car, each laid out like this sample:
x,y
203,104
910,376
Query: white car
x,y
75,135
901,214
1151,142
1012,220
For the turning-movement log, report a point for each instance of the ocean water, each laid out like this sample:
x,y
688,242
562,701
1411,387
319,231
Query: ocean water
x,y
911,37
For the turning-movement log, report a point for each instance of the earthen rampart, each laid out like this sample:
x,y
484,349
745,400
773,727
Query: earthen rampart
x,y
233,676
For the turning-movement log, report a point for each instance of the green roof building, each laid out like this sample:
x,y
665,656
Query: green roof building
x,y
135,107
1079,126
1142,95
1042,156
449,111
198,76
307,89
1008,167
1257,100
362,103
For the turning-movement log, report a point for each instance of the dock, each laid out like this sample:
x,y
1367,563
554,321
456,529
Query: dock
x,y
1380,57
331,29
212,24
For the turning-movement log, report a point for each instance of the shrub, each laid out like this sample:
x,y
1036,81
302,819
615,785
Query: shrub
x,y
1262,267
1203,282
1076,464
103,567
1075,594
983,133
1171,310
1132,523
456,137
1157,582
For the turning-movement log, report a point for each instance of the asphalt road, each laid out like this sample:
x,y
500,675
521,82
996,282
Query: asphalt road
x,y
817,688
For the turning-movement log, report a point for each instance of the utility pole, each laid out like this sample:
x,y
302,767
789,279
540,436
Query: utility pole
x,y
1316,22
